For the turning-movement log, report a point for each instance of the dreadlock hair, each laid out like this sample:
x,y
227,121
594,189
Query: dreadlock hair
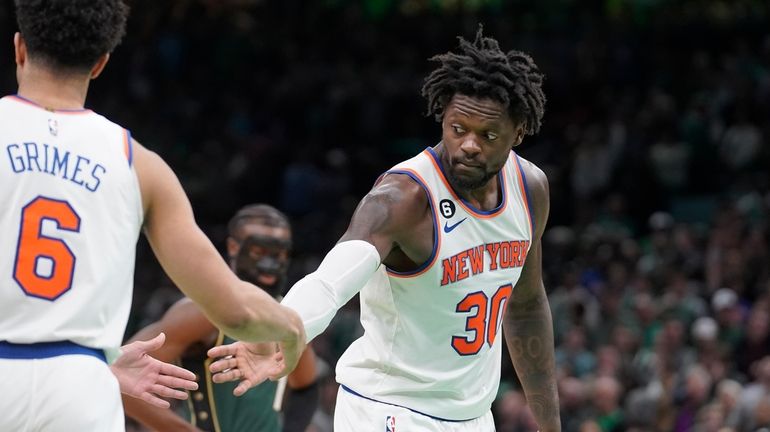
x,y
258,213
71,35
480,69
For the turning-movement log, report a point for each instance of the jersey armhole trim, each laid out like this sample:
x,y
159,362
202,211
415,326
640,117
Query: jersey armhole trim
x,y
527,198
436,237
128,146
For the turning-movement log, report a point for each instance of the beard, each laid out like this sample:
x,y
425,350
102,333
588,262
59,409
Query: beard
x,y
469,182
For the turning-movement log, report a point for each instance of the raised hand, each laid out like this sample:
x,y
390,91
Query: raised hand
x,y
251,363
146,378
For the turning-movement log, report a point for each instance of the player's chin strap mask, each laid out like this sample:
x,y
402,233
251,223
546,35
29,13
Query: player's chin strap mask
x,y
263,260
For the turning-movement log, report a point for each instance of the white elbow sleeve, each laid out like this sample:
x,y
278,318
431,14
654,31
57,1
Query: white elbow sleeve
x,y
342,274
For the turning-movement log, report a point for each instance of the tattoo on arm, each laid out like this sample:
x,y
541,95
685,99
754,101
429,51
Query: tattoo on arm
x,y
529,336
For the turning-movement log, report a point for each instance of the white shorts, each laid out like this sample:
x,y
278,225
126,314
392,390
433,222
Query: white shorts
x,y
354,413
66,393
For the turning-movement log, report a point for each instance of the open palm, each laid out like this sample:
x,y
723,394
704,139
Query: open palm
x,y
145,377
249,363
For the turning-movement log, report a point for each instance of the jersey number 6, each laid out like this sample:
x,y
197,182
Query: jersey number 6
x,y
34,248
484,325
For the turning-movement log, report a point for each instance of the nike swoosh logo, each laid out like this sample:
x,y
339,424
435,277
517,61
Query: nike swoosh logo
x,y
448,228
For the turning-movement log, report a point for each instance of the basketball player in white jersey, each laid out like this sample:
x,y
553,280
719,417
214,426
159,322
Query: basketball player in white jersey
x,y
444,250
76,190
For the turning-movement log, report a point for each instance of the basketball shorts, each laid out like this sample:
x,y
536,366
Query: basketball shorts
x,y
65,393
354,413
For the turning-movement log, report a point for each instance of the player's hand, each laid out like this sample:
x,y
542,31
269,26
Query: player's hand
x,y
145,377
249,363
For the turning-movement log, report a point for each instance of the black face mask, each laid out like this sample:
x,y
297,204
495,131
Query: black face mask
x,y
263,261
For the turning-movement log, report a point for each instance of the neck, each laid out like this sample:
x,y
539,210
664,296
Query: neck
x,y
53,91
485,197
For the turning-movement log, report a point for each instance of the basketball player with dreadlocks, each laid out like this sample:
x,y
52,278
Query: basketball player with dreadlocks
x,y
258,247
444,250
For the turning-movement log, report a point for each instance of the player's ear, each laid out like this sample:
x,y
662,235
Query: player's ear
x,y
232,247
518,134
20,49
99,66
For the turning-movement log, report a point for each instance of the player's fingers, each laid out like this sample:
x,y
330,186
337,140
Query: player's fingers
x,y
244,386
277,372
154,400
168,392
176,371
222,351
223,364
177,383
227,376
152,344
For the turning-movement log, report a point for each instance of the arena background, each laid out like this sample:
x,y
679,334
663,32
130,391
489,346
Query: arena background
x,y
654,141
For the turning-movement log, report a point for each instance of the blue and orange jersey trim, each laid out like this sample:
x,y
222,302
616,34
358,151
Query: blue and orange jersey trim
x,y
436,237
473,211
522,180
26,101
128,146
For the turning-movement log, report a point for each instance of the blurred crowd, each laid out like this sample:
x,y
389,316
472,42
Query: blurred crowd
x,y
657,256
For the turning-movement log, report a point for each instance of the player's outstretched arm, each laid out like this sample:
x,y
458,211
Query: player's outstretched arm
x,y
527,323
375,229
378,223
184,325
144,377
193,263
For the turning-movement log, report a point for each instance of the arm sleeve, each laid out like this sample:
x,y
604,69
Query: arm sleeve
x,y
344,271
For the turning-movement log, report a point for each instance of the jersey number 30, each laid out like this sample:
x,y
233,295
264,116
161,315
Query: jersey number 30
x,y
484,323
45,265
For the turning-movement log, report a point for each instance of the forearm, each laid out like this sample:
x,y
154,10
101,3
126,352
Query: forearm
x,y
155,418
342,274
529,335
300,406
265,320
240,309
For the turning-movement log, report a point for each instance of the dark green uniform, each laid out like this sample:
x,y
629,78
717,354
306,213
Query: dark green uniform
x,y
213,407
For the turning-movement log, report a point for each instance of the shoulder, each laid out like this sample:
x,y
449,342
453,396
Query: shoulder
x,y
399,197
147,163
158,183
538,190
395,203
143,155
399,189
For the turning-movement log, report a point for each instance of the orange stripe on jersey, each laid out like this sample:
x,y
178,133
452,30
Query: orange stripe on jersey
x,y
524,195
472,211
436,235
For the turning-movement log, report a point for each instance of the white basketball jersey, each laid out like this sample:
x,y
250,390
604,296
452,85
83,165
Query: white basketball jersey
x,y
432,337
70,218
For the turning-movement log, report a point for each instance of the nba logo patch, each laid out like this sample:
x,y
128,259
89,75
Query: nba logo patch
x,y
390,424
